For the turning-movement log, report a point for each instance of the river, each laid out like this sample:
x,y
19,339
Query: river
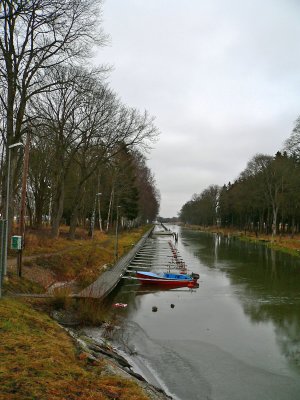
x,y
236,337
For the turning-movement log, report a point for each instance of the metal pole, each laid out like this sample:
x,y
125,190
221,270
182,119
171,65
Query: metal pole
x,y
116,242
6,215
23,205
93,219
7,206
109,208
2,255
50,209
50,206
94,215
99,210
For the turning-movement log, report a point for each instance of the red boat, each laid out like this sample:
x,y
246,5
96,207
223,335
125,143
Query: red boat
x,y
168,279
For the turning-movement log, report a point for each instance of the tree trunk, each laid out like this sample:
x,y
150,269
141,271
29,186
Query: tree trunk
x,y
58,208
75,209
274,223
73,224
39,206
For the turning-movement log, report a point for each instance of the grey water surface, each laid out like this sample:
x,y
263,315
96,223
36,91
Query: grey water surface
x,y
236,337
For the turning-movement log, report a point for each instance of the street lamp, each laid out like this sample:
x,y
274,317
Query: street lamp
x,y
99,211
50,206
116,242
7,205
94,215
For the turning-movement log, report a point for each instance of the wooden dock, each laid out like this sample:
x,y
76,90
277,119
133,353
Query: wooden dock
x,y
110,278
148,253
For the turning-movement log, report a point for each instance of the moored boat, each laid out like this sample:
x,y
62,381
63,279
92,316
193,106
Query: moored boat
x,y
168,279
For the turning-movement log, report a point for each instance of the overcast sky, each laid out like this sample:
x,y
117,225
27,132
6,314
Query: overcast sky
x,y
221,77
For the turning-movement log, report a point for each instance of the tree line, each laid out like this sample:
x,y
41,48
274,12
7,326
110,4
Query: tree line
x,y
86,147
265,198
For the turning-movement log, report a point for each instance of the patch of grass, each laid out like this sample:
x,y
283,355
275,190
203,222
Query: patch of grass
x,y
38,360
91,311
61,298
13,284
40,242
83,263
84,260
129,238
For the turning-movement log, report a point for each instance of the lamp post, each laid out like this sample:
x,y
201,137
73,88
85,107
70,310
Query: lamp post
x,y
50,205
116,241
23,205
94,215
7,205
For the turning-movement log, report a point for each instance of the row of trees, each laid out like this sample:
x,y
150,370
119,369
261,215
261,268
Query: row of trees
x,y
264,198
83,140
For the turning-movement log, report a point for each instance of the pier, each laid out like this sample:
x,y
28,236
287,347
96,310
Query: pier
x,y
148,253
110,278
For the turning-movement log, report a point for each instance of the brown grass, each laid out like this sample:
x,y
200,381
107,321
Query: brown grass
x,y
282,242
13,284
39,361
83,260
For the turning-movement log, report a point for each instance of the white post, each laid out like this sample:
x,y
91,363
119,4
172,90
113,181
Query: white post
x,y
116,242
94,215
99,211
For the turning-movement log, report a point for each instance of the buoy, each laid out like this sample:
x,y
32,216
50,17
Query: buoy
x,y
154,308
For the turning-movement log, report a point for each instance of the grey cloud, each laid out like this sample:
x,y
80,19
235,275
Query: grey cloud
x,y
222,79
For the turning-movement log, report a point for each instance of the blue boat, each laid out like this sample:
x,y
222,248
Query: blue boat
x,y
167,279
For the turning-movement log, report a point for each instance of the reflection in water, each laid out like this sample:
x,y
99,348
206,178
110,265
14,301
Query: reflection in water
x,y
269,285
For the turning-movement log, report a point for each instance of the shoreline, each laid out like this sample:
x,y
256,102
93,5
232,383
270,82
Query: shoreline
x,y
120,363
281,242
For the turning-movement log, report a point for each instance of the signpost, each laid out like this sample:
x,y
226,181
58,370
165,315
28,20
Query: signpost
x,y
3,245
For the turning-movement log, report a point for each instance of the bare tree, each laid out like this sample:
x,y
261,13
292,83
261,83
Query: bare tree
x,y
97,137
41,155
36,35
60,116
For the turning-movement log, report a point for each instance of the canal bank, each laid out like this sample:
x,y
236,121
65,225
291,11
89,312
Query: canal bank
x,y
282,242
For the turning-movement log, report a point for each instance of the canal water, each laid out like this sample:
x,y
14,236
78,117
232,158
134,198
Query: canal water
x,y
236,337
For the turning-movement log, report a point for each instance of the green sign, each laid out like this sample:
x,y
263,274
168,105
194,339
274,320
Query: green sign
x,y
16,242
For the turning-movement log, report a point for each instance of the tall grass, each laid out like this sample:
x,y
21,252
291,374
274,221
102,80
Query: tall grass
x,y
85,311
92,311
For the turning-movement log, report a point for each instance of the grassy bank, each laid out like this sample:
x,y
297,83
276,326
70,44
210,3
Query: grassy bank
x,y
283,242
79,262
38,359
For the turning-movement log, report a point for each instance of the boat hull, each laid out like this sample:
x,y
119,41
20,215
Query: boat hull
x,y
165,282
168,283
